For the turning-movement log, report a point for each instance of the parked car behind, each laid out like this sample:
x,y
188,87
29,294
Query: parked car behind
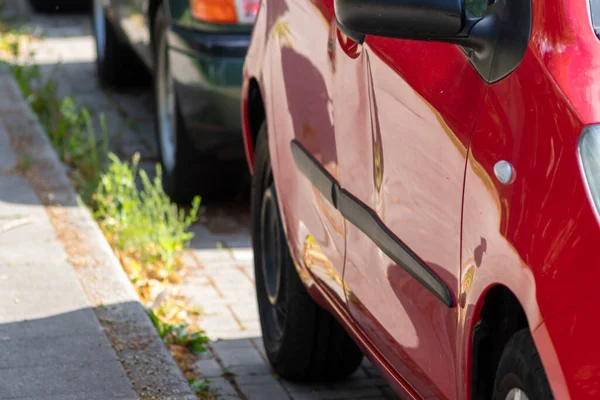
x,y
195,50
426,190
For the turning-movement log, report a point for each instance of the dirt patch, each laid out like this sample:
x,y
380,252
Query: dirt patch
x,y
71,239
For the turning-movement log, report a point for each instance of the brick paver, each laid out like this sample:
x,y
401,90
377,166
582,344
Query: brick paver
x,y
220,275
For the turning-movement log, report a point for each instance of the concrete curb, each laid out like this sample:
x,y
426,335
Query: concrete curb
x,y
149,365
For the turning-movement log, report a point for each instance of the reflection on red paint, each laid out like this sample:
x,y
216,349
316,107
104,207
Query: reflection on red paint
x,y
411,130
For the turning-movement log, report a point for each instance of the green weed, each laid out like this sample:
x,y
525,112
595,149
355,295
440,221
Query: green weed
x,y
24,163
80,146
201,388
11,41
144,221
180,334
69,128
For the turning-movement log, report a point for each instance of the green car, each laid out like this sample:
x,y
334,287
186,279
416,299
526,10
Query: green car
x,y
195,50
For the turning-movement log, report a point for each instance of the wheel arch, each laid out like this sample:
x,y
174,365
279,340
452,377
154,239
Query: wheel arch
x,y
253,116
501,315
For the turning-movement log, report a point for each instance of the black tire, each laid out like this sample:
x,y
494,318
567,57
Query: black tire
x,y
520,367
50,6
193,173
178,182
302,341
119,66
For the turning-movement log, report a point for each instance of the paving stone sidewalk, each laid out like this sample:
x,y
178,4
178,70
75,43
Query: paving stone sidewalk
x,y
220,276
221,281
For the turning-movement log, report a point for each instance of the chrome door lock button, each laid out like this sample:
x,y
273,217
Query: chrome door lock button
x,y
504,172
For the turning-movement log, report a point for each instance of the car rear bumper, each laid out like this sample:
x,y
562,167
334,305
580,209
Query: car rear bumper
x,y
207,68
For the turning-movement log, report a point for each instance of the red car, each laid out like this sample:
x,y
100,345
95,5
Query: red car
x,y
426,188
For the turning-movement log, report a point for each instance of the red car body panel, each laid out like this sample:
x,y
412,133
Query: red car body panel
x,y
409,168
411,130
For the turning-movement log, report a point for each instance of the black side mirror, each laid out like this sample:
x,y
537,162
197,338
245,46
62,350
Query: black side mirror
x,y
409,19
495,43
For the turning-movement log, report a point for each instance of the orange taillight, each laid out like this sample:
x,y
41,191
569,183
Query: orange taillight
x,y
219,11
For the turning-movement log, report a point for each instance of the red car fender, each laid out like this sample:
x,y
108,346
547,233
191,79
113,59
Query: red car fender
x,y
253,71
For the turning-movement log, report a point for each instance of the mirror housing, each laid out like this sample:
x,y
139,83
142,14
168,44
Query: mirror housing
x,y
406,19
495,43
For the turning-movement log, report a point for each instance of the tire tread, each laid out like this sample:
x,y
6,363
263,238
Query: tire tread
x,y
520,366
121,67
315,347
195,172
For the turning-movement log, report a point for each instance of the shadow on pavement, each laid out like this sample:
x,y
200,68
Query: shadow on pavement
x,y
53,347
56,356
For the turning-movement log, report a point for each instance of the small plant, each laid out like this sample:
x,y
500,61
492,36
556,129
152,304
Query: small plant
x,y
24,163
27,76
143,222
201,388
69,127
180,334
80,146
12,41
194,341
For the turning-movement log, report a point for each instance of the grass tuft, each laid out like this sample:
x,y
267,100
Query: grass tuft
x,y
143,222
180,334
202,388
69,127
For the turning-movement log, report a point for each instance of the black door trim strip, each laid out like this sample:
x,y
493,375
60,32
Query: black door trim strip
x,y
320,178
365,219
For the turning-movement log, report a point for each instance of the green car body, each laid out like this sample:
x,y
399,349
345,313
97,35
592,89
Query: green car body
x,y
206,62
